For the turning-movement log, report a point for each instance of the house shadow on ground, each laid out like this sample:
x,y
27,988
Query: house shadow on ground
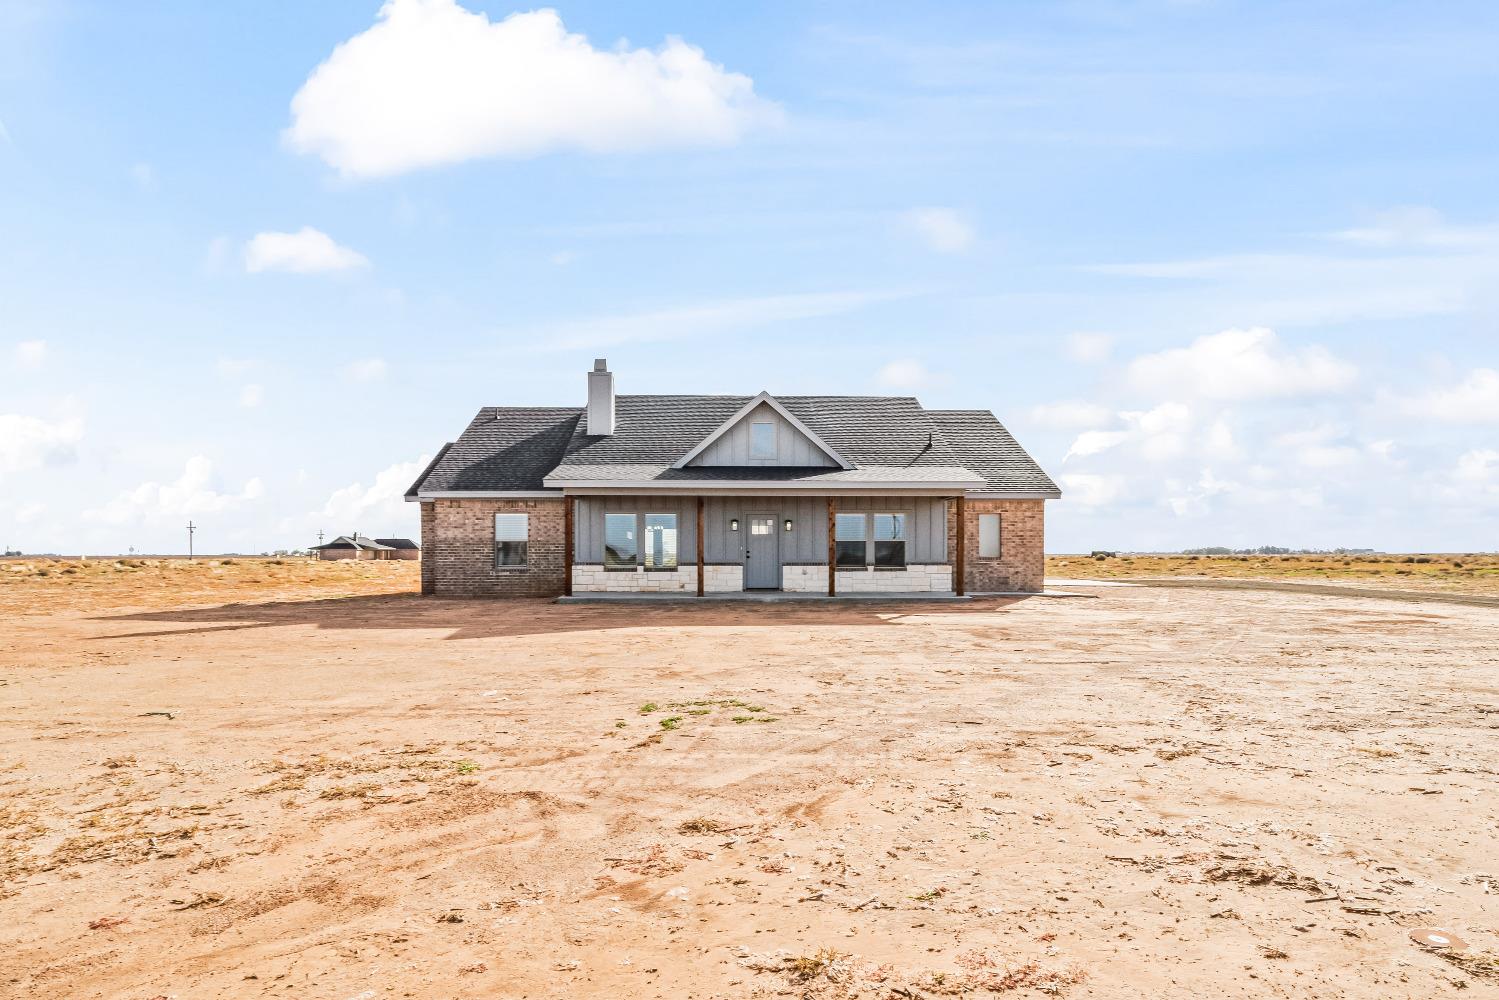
x,y
482,619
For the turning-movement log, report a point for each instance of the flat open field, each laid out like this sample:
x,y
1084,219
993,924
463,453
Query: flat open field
x,y
1448,573
1151,792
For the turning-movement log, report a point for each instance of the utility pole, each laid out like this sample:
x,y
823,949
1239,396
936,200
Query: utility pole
x,y
320,536
190,529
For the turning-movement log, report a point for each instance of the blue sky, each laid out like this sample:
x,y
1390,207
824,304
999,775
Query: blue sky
x,y
1229,270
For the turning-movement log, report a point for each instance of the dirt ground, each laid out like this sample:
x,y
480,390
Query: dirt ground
x,y
1146,792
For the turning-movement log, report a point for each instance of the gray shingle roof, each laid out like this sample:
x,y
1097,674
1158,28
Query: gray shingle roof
x,y
658,430
886,438
504,448
345,542
398,543
983,445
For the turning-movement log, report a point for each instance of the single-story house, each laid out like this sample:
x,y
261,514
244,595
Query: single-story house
x,y
399,548
696,495
355,547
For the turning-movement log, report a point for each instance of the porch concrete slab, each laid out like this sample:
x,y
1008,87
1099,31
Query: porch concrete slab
x,y
759,597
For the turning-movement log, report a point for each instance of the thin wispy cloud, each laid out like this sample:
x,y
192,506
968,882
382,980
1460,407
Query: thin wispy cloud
x,y
367,370
679,322
943,230
29,355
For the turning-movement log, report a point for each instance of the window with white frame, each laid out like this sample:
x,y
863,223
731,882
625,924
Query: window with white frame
x,y
989,536
879,540
510,534
621,546
849,543
889,539
660,537
762,439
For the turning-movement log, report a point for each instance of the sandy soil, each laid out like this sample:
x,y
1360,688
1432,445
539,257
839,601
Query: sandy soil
x,y
1167,793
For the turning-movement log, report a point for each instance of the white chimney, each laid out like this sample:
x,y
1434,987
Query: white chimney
x,y
600,398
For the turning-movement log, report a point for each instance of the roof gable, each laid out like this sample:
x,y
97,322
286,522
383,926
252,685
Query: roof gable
x,y
796,445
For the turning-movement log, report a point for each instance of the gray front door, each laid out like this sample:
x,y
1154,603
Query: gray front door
x,y
762,566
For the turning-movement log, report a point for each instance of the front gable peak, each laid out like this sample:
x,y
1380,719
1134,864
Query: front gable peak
x,y
763,433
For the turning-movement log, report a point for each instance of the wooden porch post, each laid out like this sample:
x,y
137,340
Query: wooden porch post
x,y
832,549
567,547
700,546
958,571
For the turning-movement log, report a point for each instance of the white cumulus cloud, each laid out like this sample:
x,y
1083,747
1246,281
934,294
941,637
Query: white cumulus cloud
x,y
306,251
940,229
432,83
31,442
1240,364
1474,400
194,492
251,396
369,510
1091,490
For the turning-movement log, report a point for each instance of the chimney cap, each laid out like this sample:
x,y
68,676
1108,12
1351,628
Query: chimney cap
x,y
600,364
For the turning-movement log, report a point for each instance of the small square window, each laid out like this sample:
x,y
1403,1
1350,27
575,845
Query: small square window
x,y
762,439
989,544
510,535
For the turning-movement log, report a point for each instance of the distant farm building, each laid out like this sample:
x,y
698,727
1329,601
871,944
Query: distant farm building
x,y
355,547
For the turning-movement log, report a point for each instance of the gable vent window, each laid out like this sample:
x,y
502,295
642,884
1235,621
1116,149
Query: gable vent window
x,y
510,533
762,439
989,546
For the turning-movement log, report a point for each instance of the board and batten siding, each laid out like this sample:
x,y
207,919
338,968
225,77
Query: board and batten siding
x,y
806,542
793,448
588,523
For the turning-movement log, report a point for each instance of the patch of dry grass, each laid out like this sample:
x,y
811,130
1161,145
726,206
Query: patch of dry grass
x,y
41,585
1457,572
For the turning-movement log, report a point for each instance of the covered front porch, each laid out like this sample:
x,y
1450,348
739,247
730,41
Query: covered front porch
x,y
892,545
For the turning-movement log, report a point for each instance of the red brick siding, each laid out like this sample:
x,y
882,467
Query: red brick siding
x,y
1021,565
459,549
429,547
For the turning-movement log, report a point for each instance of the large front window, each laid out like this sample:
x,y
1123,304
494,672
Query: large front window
x,y
620,547
889,539
510,540
849,540
879,540
660,541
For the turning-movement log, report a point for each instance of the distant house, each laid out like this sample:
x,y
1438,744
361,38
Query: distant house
x,y
400,548
710,494
355,547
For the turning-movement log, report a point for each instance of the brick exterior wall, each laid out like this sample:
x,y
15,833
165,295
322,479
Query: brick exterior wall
x,y
429,547
1021,565
458,549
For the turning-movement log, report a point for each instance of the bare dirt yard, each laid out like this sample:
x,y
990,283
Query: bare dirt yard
x,y
342,793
